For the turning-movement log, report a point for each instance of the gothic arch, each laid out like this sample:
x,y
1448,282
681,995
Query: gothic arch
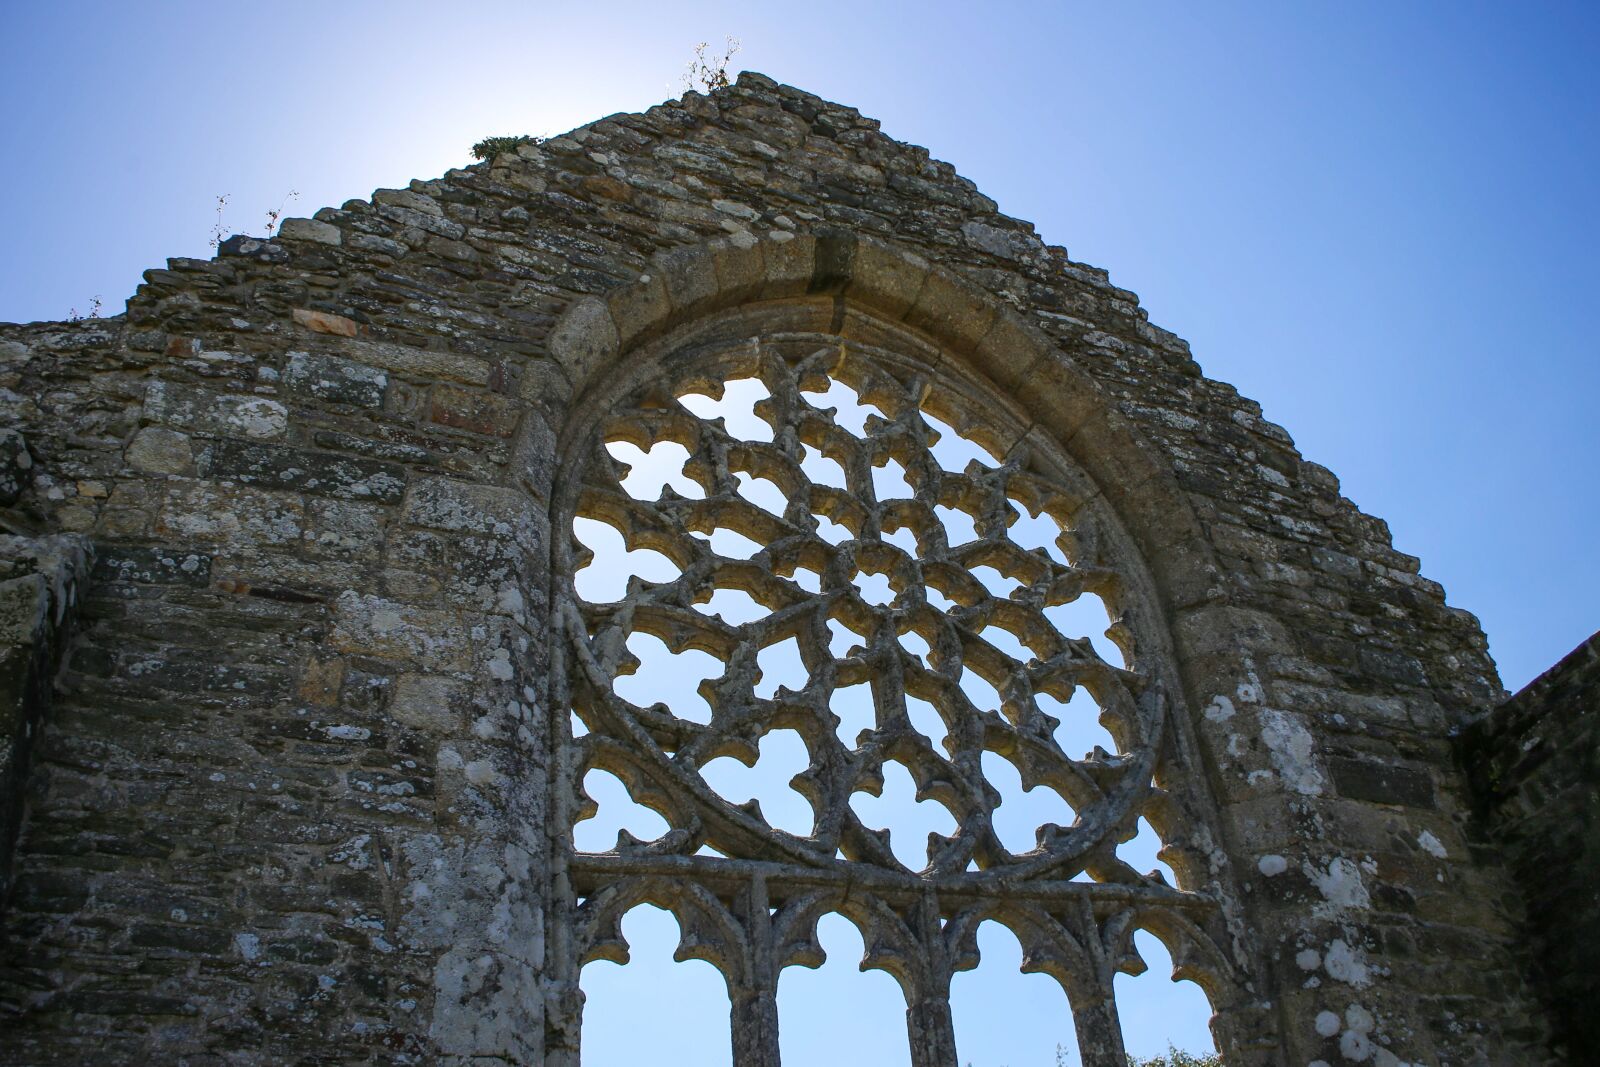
x,y
695,314
840,268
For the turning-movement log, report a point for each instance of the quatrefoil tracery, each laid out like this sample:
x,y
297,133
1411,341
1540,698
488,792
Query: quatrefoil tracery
x,y
881,564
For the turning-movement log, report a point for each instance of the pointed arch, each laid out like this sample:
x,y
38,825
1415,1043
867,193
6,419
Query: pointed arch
x,y
837,269
905,335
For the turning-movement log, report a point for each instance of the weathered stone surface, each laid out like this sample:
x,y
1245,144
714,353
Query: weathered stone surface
x,y
586,339
1534,769
478,412
1382,784
280,467
331,378
158,450
41,581
305,787
236,515
421,364
15,465
203,411
461,507
428,702
391,630
310,230
152,566
323,322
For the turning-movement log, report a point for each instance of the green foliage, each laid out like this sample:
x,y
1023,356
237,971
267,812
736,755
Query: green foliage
x,y
490,147
1175,1057
1178,1058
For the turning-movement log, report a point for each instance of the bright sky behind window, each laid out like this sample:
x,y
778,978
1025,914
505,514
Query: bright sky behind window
x,y
1378,220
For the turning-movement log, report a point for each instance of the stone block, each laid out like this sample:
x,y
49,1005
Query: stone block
x,y
346,529
15,466
544,384
429,702
409,200
740,269
310,230
888,279
690,275
585,339
422,364
464,507
1382,783
639,310
321,681
233,514
370,625
342,381
951,311
187,407
158,450
534,456
24,603
1011,354
325,322
833,261
789,267
302,470
486,413
152,565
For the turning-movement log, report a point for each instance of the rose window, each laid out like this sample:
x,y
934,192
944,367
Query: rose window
x,y
862,641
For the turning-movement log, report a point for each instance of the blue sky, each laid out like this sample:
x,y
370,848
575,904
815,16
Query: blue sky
x,y
1379,220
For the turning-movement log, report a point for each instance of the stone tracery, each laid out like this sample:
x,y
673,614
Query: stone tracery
x,y
924,574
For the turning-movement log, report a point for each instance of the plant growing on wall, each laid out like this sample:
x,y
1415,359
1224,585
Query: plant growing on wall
x,y
490,147
220,231
94,311
708,73
1175,1057
274,215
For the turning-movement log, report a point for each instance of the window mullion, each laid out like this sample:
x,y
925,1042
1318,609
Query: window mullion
x,y
754,995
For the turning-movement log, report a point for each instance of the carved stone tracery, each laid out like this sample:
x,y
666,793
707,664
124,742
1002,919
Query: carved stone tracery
x,y
747,895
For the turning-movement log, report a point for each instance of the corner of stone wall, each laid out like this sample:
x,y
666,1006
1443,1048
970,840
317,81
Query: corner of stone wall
x,y
1533,771
39,583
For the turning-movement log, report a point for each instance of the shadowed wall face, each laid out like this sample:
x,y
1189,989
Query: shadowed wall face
x,y
311,768
1534,765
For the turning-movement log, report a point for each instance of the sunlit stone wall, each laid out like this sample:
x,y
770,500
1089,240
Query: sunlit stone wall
x,y
309,777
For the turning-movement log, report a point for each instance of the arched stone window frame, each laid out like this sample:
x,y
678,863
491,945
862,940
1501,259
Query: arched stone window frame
x,y
602,343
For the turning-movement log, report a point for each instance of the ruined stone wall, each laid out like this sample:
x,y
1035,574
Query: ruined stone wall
x,y
290,802
39,586
1534,765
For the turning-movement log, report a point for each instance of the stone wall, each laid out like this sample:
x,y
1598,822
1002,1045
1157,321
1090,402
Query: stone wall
x,y
39,587
292,796
1534,765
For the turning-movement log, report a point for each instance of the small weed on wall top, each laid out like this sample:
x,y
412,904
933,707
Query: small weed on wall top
x,y
707,74
94,311
220,231
490,147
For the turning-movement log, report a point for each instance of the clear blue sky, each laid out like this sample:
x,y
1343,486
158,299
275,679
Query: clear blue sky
x,y
1379,220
